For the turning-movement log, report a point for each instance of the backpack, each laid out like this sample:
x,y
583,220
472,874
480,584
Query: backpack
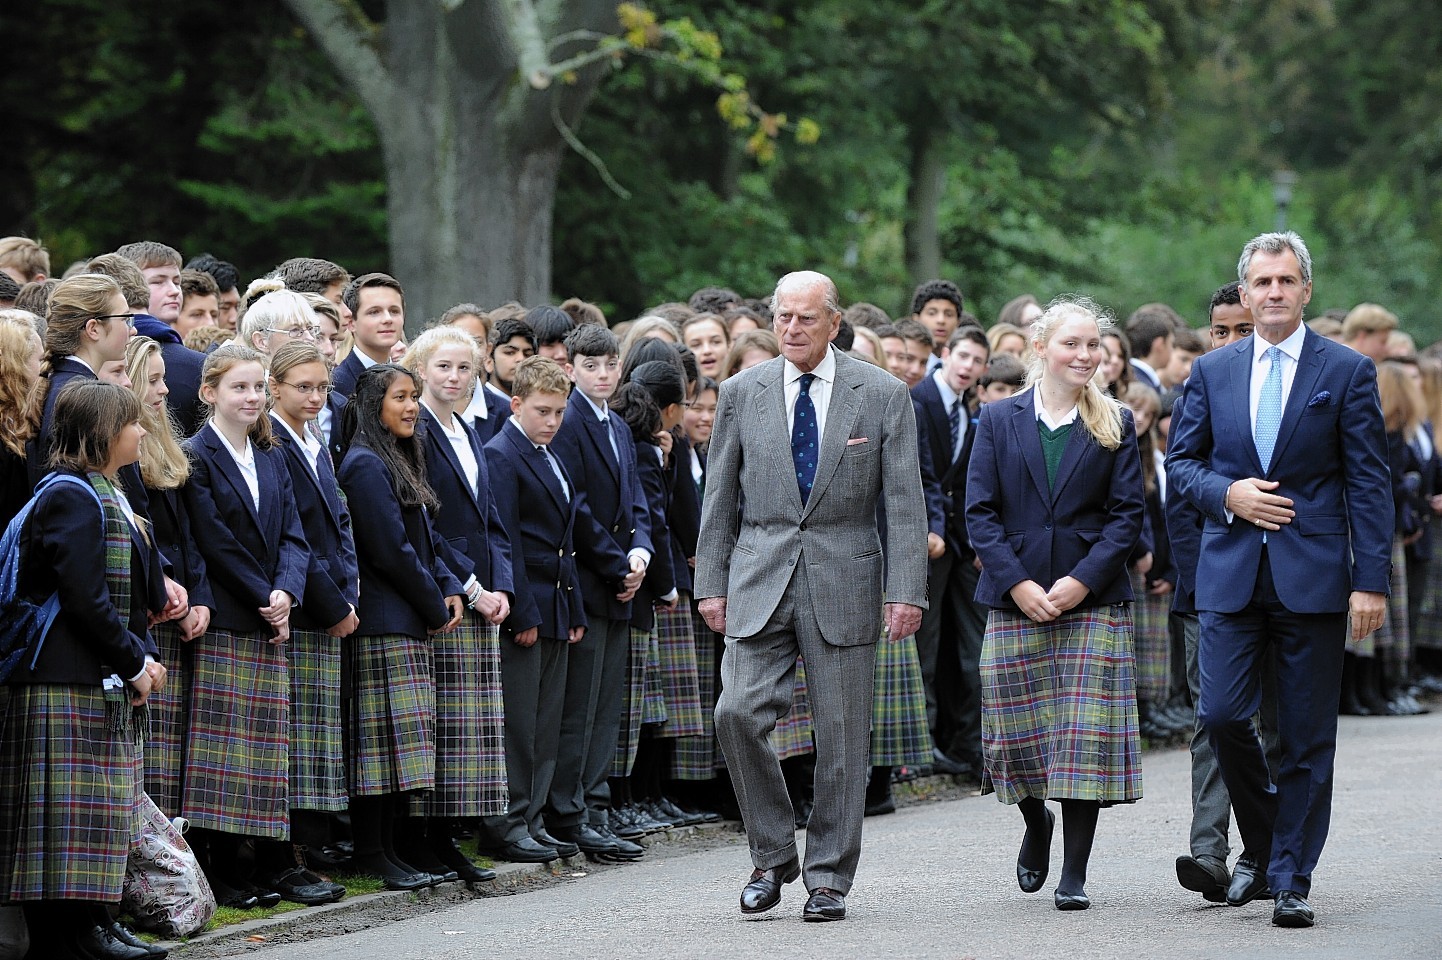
x,y
23,625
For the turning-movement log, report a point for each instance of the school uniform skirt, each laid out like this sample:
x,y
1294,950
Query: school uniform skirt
x,y
237,748
1428,631
169,713
792,736
69,786
694,758
899,732
653,698
633,706
470,723
317,734
1393,638
1153,651
391,716
1058,707
679,672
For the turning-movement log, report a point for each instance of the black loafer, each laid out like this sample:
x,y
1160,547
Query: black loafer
x,y
1072,901
564,848
1205,875
1292,911
1249,881
299,885
1031,880
763,890
101,943
625,851
127,936
524,850
824,904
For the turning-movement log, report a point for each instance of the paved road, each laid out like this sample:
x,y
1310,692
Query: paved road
x,y
937,881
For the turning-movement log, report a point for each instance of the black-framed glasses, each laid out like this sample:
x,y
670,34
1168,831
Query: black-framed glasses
x,y
304,388
129,318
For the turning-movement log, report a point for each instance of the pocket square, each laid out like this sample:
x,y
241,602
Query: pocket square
x,y
855,440
1320,400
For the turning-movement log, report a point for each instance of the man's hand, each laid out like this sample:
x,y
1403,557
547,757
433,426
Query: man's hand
x,y
902,620
713,611
345,627
1368,610
935,546
1067,592
1033,601
1249,500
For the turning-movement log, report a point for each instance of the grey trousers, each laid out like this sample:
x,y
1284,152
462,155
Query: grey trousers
x,y
1211,805
533,681
590,720
757,674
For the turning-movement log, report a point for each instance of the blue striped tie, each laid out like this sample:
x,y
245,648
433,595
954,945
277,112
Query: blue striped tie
x,y
1269,409
804,436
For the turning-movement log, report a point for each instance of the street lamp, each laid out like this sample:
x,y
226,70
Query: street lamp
x,y
1282,183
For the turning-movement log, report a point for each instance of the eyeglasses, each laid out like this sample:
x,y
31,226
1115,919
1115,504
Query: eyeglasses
x,y
129,318
304,388
302,333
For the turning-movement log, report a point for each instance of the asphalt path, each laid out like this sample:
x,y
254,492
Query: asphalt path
x,y
937,880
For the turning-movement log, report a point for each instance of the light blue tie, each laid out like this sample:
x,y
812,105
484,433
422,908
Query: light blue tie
x,y
1269,409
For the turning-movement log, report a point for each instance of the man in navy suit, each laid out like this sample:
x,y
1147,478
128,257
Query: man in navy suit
x,y
948,641
1280,444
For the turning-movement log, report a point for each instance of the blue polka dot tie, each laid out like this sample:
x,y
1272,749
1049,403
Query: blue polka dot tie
x,y
804,437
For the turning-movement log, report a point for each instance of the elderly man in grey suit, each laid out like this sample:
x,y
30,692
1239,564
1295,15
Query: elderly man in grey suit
x,y
790,562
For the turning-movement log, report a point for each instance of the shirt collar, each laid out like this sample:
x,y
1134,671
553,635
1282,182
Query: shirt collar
x,y
1292,346
948,395
440,423
825,370
304,438
241,456
1044,417
76,358
515,422
360,355
603,411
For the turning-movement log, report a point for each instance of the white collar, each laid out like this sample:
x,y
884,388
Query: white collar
x,y
825,370
244,457
516,422
603,410
304,438
948,395
441,424
1044,417
1292,346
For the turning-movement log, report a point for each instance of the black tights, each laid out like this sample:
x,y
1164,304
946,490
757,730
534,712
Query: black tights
x,y
1079,828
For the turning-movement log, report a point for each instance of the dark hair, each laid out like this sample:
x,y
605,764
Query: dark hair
x,y
648,349
1004,368
688,363
745,311
1224,295
1146,326
970,332
361,426
887,331
590,340
675,313
9,289
550,324
35,296
224,273
760,307
197,283
1188,340
351,296
866,315
908,329
1012,310
89,415
936,290
583,312
633,404
845,335
713,300
661,381
507,329
310,275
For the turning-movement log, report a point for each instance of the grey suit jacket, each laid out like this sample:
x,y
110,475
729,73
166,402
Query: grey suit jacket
x,y
748,551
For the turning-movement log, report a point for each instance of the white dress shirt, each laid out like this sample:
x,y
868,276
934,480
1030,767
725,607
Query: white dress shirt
x,y
461,445
476,409
949,399
308,445
545,452
1046,418
245,460
1291,353
820,392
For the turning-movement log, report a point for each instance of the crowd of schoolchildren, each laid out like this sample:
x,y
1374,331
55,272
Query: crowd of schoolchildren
x,y
348,599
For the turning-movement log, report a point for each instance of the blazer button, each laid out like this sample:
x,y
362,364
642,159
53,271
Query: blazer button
x,y
560,553
615,528
1046,526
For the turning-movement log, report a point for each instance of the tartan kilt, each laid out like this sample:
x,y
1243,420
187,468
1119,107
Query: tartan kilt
x,y
470,724
390,722
792,736
679,673
69,792
1151,627
628,738
899,732
694,758
1058,707
653,702
1393,638
1429,621
164,749
237,750
317,739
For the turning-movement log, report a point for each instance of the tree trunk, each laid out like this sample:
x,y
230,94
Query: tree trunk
x,y
923,202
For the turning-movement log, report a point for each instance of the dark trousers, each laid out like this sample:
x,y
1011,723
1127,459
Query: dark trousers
x,y
948,644
533,682
1284,825
590,722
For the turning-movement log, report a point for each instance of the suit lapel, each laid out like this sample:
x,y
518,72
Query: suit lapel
x,y
1078,445
1028,440
841,410
938,426
1309,368
1239,388
536,463
225,463
596,431
293,450
772,399
437,437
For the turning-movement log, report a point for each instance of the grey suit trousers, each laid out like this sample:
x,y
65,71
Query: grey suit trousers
x,y
757,673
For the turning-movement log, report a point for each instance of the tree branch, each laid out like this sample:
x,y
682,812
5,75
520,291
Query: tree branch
x,y
574,142
348,38
530,43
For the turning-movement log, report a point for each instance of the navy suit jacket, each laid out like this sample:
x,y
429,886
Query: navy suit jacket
x,y
950,474
335,403
1330,459
468,520
332,577
611,513
248,553
346,373
543,555
1085,526
404,581
182,371
62,549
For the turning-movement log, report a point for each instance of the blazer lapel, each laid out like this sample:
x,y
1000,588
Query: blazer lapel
x,y
225,463
293,450
939,427
841,410
1023,425
437,437
1309,368
536,463
1078,444
596,431
771,397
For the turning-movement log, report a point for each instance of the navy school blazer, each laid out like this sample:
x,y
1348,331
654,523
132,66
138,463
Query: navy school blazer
x,y
332,576
248,553
404,582
468,520
62,550
174,537
684,516
346,373
950,474
335,403
543,556
611,513
1085,527
498,411
656,486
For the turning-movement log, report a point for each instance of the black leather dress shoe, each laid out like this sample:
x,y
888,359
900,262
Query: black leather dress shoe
x,y
1206,875
299,885
100,943
524,850
1292,911
1249,881
625,852
563,847
591,843
824,904
126,936
1030,880
232,897
1071,901
763,891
